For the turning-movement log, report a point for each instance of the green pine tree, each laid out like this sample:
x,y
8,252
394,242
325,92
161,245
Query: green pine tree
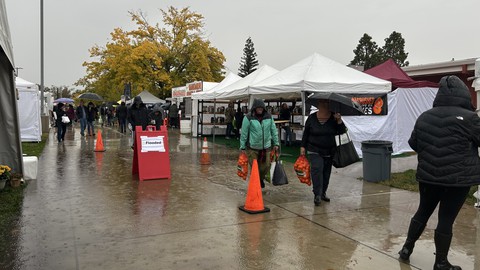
x,y
249,62
395,48
367,53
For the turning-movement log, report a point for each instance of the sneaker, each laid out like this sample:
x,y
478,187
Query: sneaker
x,y
227,138
262,183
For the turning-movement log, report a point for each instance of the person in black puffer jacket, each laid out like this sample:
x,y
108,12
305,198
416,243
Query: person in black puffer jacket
x,y
446,139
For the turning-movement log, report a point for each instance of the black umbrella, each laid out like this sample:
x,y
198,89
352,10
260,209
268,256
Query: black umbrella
x,y
337,103
90,96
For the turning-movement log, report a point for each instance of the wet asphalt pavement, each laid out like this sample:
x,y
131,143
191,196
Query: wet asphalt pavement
x,y
87,211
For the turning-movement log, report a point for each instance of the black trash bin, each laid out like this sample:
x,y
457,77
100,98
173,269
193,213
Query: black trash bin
x,y
377,160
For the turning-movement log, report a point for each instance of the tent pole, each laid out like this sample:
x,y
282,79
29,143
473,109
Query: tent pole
x,y
304,110
214,118
42,84
476,82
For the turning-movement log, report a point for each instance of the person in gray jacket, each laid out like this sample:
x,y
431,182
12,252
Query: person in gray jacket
x,y
446,139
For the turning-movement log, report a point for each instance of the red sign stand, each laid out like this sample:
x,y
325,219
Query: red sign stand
x,y
150,154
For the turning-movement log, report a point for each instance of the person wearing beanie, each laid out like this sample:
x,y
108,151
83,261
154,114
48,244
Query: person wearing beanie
x,y
259,137
446,139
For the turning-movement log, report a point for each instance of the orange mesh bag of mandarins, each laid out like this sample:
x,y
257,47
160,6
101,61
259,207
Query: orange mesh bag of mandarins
x,y
302,169
242,165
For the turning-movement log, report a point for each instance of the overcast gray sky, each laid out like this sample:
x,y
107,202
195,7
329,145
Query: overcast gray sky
x,y
284,32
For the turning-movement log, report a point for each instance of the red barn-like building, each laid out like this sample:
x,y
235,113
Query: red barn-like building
x,y
463,69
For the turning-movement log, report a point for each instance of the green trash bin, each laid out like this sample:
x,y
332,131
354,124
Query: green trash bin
x,y
377,160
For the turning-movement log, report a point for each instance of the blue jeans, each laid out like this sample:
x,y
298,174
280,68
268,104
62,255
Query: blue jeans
x,y
83,125
123,124
61,129
229,129
288,135
321,169
90,126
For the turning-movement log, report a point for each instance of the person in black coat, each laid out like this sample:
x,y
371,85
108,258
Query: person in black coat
x,y
122,117
238,122
61,126
286,114
319,141
157,116
140,116
446,139
92,114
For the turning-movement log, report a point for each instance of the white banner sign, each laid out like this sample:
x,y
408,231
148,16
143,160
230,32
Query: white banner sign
x,y
152,144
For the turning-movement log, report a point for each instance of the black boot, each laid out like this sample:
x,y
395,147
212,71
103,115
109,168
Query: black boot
x,y
414,231
317,200
442,245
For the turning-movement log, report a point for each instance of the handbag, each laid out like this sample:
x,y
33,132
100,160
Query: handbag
x,y
279,175
65,119
345,153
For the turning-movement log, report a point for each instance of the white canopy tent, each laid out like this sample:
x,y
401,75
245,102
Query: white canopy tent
x,y
240,87
148,98
10,146
29,110
212,93
316,73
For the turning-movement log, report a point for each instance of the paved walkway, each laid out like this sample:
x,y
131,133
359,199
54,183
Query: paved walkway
x,y
86,211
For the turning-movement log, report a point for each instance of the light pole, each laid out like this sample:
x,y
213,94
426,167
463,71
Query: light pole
x,y
17,68
42,85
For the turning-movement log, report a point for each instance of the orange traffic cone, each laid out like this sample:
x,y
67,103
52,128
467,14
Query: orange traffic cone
x,y
205,157
99,145
254,200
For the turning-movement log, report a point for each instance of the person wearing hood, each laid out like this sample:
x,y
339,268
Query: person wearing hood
x,y
258,137
137,115
157,116
173,115
446,139
122,117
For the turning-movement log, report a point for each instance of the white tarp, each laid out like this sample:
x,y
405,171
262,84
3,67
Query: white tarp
x,y
317,73
240,87
212,93
29,111
148,98
404,107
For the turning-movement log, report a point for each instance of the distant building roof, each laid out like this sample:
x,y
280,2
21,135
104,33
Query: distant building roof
x,y
449,67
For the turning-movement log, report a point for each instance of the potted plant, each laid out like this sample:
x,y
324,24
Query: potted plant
x,y
15,179
4,175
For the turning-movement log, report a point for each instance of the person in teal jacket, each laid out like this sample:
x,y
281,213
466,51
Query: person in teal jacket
x,y
258,137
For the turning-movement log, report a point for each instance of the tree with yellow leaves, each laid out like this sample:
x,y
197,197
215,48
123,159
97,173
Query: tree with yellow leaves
x,y
153,57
